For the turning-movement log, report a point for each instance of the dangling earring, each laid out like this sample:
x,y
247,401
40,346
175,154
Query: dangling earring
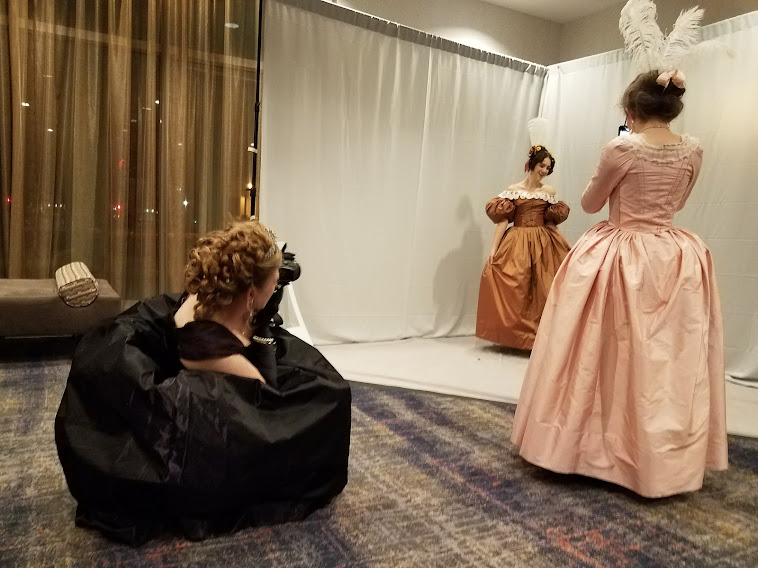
x,y
247,317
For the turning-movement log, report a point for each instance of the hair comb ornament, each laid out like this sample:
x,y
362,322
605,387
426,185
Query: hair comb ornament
x,y
271,251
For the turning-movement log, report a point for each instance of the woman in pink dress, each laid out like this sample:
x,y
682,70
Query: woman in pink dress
x,y
626,378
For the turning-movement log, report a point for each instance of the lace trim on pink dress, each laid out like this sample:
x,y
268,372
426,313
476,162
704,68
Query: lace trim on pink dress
x,y
663,154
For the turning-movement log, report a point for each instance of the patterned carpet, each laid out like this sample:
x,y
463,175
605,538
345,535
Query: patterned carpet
x,y
433,483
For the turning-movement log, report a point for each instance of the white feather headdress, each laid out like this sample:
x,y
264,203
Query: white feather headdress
x,y
538,131
650,48
539,135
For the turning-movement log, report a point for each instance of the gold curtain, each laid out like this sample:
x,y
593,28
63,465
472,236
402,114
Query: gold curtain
x,y
125,128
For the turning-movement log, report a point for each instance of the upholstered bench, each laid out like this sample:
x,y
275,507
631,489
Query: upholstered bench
x,y
33,308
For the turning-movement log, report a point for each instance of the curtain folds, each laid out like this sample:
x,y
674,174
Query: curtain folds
x,y
124,133
381,146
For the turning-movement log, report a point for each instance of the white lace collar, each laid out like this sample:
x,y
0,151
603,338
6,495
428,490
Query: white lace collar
x,y
524,194
663,154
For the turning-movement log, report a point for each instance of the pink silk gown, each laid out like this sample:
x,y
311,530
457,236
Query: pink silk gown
x,y
626,378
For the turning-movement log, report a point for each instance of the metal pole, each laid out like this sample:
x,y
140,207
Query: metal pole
x,y
254,188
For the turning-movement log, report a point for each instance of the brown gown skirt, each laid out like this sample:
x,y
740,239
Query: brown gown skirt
x,y
515,284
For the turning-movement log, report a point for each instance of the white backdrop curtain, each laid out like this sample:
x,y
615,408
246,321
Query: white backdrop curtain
x,y
581,100
381,146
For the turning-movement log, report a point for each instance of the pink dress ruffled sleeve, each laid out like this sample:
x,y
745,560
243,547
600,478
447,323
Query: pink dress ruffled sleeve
x,y
615,161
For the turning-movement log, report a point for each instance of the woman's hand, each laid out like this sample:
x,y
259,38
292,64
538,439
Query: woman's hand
x,y
499,233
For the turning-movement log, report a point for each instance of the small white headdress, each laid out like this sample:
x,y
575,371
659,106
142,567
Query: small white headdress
x,y
538,131
539,136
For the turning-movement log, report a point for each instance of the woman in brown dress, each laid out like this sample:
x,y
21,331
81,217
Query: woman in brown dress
x,y
524,258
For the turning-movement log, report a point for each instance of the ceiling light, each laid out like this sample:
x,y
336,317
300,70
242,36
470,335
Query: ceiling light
x,y
232,25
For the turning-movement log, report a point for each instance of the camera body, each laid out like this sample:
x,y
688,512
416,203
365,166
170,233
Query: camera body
x,y
290,269
269,316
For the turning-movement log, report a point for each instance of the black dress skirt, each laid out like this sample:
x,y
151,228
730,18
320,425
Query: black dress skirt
x,y
148,446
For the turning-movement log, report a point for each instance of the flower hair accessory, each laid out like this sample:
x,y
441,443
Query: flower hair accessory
x,y
532,151
272,250
676,77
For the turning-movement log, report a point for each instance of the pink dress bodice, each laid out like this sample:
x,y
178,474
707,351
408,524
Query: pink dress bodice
x,y
645,185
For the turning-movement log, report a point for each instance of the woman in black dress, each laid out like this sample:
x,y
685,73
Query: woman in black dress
x,y
187,413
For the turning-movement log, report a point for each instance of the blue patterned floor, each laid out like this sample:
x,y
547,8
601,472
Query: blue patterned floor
x,y
434,482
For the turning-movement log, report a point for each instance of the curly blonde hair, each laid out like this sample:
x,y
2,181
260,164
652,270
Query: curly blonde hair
x,y
227,263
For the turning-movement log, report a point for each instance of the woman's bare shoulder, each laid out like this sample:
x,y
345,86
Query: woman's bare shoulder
x,y
186,312
232,364
548,189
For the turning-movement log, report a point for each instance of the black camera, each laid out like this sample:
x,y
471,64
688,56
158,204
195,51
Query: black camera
x,y
624,129
289,271
264,347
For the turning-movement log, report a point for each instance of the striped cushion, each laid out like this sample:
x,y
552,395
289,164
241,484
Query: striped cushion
x,y
76,285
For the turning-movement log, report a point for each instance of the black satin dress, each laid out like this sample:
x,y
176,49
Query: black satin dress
x,y
148,446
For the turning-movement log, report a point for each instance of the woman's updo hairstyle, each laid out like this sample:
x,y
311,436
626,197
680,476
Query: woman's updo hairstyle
x,y
227,263
646,99
536,155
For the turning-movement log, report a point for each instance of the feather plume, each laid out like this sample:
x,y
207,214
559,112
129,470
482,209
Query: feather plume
x,y
538,131
683,37
708,47
642,35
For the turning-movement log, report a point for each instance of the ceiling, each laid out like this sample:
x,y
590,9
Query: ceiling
x,y
560,11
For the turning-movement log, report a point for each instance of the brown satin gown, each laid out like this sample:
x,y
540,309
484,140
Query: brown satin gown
x,y
515,283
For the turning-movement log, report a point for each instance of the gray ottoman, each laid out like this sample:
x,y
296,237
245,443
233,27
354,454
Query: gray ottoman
x,y
33,308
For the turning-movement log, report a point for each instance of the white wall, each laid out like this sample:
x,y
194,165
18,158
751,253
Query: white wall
x,y
599,32
499,30
472,22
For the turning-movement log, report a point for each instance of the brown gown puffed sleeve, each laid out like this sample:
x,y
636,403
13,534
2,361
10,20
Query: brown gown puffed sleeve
x,y
500,209
557,213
